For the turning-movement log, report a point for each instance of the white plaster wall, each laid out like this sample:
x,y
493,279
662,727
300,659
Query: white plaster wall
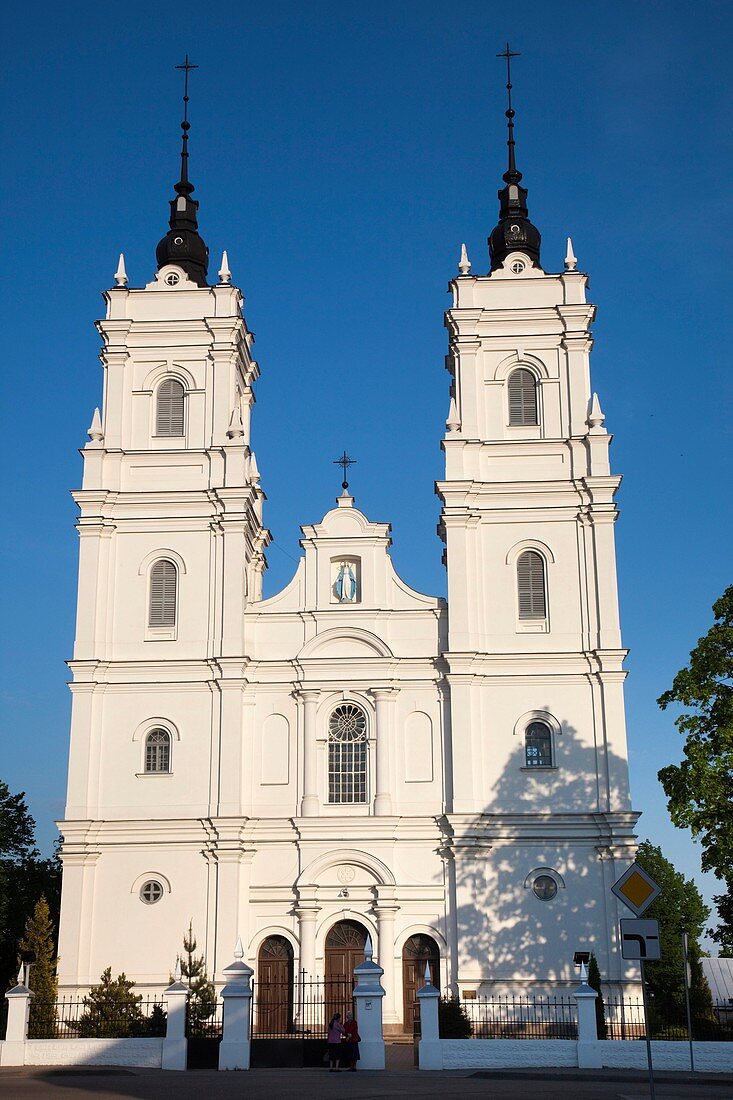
x,y
147,1053
507,1053
709,1057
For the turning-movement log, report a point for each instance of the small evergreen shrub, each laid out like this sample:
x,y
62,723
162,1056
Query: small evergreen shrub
x,y
453,1020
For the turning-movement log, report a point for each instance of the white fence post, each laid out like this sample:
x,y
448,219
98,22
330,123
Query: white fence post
x,y
19,1007
234,1049
589,1054
368,996
430,1051
175,1044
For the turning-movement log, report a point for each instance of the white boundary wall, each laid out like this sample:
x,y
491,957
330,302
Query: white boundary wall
x,y
507,1053
627,1054
611,1054
147,1053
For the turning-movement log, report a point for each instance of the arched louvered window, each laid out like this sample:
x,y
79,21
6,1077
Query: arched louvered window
x,y
169,408
538,745
531,585
347,754
158,751
522,397
163,594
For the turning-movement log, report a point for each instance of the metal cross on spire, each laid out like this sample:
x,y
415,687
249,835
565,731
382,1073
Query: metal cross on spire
x,y
508,55
344,462
185,125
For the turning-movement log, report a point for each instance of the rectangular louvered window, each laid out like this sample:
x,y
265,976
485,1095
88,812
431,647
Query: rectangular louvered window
x,y
163,585
531,586
169,408
522,398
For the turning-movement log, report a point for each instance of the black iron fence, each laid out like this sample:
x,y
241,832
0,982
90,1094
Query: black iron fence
x,y
300,1009
667,1021
85,1019
519,1018
204,1018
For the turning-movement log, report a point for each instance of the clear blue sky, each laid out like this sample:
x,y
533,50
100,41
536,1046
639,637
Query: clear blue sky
x,y
342,152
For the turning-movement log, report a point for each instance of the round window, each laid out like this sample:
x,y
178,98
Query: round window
x,y
347,723
517,267
150,892
171,278
544,888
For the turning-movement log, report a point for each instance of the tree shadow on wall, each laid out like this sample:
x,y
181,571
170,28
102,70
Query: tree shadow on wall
x,y
571,823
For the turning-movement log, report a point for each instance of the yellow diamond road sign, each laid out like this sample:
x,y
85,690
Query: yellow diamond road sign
x,y
636,889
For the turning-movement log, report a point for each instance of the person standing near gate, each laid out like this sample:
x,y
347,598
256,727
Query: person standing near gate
x,y
336,1033
350,1053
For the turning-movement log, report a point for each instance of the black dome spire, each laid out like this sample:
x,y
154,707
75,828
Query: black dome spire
x,y
515,232
182,244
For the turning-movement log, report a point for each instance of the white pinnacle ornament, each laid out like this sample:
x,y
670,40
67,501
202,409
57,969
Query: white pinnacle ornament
x,y
94,431
121,273
596,417
225,275
464,264
453,424
571,260
236,428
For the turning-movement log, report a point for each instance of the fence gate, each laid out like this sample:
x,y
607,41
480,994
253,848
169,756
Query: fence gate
x,y
203,1031
289,1020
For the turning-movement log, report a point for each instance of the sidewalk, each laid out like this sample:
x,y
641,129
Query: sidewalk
x,y
35,1083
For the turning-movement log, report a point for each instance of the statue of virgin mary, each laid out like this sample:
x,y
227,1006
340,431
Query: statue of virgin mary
x,y
345,586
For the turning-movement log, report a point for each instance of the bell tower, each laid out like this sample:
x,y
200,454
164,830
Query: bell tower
x,y
171,553
534,658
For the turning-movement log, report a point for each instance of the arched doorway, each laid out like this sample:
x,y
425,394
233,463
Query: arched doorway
x,y
344,950
417,952
274,990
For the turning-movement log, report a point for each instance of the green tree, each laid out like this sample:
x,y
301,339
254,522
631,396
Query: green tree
x,y
678,908
202,1004
594,981
112,1010
700,790
24,877
453,1019
38,937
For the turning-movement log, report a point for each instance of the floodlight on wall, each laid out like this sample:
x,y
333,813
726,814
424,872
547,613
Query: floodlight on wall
x,y
581,958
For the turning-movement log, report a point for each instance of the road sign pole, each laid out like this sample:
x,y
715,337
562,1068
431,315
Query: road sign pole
x,y
687,1000
647,1029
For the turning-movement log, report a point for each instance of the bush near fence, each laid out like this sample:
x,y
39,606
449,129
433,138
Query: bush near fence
x,y
74,1019
515,1018
625,1020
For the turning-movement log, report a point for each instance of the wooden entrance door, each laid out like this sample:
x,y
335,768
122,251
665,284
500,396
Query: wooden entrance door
x,y
418,951
274,989
344,950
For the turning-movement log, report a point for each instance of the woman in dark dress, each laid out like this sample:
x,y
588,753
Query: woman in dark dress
x,y
350,1055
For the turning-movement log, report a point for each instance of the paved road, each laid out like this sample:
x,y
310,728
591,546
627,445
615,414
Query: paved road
x,y
272,1084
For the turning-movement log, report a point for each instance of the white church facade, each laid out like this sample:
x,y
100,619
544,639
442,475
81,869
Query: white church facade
x,y
348,756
